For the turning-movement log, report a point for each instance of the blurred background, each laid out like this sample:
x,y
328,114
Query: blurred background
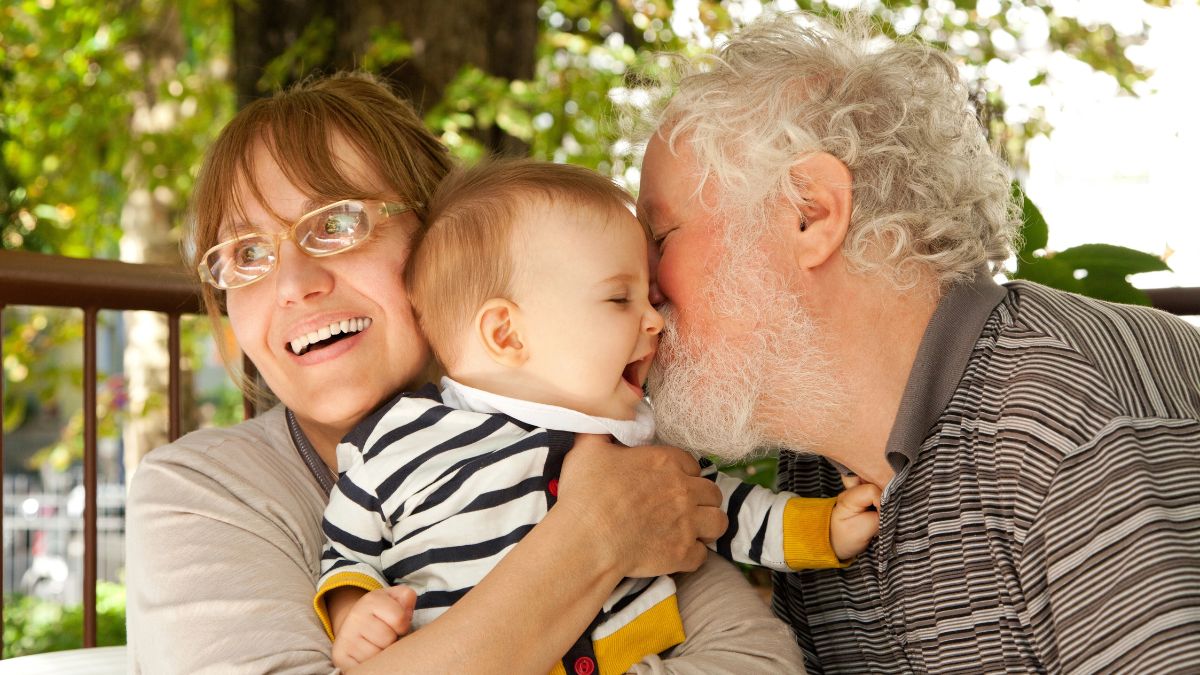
x,y
106,108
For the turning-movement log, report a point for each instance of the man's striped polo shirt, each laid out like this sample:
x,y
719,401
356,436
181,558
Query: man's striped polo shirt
x,y
1045,514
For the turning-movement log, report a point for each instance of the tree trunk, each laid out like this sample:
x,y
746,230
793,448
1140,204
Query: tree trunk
x,y
497,36
146,220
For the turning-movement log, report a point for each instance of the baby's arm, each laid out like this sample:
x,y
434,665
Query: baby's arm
x,y
366,622
351,564
786,532
853,524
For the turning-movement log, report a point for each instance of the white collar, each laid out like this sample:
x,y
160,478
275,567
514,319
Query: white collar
x,y
637,431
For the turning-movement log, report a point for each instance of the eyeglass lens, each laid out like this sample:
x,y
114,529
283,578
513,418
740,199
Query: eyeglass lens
x,y
250,257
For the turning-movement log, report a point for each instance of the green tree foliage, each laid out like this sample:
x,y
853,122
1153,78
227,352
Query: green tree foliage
x,y
74,72
590,50
34,626
1097,270
78,128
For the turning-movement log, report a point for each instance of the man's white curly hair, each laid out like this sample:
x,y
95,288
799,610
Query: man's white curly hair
x,y
929,196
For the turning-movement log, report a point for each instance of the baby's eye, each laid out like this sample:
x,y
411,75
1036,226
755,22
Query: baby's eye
x,y
620,301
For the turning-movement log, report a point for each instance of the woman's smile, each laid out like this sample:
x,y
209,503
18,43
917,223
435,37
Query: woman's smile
x,y
330,349
327,334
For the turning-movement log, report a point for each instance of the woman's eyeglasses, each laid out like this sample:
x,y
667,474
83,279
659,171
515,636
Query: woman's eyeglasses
x,y
329,230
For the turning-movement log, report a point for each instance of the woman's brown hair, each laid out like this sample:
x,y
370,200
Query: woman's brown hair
x,y
297,127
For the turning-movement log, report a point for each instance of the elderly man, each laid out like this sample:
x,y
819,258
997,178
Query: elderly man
x,y
829,216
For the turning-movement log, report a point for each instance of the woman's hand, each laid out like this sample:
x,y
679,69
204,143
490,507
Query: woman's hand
x,y
649,510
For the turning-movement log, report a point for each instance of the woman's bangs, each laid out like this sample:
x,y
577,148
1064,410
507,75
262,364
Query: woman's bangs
x,y
312,166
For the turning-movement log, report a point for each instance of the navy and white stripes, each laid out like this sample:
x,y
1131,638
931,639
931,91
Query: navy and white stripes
x,y
434,497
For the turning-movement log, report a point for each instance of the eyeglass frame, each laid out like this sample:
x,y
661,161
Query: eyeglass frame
x,y
389,210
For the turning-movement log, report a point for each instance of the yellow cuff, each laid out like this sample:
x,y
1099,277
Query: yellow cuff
x,y
653,631
806,542
340,580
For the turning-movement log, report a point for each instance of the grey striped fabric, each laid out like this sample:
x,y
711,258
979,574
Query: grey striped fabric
x,y
1045,516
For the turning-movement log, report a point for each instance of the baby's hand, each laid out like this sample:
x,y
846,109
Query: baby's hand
x,y
376,620
852,526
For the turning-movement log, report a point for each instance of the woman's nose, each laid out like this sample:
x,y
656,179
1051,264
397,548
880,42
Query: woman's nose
x,y
298,276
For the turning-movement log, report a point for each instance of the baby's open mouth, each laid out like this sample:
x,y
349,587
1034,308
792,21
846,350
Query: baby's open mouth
x,y
635,372
336,331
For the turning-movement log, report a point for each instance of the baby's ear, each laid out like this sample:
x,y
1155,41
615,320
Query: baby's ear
x,y
497,324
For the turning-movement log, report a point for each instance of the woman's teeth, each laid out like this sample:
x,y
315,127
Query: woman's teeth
x,y
302,343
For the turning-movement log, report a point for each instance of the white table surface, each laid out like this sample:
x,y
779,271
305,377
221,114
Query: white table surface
x,y
95,661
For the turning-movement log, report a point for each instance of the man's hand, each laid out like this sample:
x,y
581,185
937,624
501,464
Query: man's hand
x,y
853,524
649,509
374,621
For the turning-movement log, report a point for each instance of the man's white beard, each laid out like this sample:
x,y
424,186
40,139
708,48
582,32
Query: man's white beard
x,y
734,395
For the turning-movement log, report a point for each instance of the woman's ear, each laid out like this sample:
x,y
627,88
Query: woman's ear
x,y
818,227
497,323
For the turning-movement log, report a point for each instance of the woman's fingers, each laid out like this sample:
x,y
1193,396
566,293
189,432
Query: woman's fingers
x,y
711,522
648,505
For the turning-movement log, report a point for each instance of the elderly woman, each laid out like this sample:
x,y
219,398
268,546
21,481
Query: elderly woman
x,y
304,210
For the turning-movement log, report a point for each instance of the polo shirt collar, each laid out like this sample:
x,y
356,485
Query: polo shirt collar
x,y
941,361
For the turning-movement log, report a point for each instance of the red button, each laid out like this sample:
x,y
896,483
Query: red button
x,y
553,488
584,666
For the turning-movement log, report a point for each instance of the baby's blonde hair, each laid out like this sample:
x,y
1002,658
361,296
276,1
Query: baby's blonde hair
x,y
465,255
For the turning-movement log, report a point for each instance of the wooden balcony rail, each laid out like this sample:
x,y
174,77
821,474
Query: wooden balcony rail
x,y
93,285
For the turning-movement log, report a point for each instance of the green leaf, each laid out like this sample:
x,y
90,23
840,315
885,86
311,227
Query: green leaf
x,y
759,470
1049,272
1114,288
1108,259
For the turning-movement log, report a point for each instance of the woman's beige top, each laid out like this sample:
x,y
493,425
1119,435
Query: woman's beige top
x,y
223,537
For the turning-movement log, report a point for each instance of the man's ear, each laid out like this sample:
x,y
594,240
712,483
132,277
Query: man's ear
x,y
497,324
818,227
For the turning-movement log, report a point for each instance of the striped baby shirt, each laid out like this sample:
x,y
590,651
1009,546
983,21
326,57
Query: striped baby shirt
x,y
1045,513
432,496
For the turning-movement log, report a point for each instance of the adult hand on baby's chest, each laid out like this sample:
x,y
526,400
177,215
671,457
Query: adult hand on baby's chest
x,y
646,506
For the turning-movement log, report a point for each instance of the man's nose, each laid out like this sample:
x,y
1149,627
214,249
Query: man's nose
x,y
299,276
656,294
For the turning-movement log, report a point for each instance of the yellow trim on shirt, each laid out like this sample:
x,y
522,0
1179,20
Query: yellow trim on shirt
x,y
653,631
340,580
806,534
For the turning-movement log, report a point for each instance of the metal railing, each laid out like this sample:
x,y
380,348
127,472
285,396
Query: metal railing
x,y
93,285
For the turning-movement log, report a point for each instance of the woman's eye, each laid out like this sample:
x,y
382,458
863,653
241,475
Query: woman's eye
x,y
251,253
340,223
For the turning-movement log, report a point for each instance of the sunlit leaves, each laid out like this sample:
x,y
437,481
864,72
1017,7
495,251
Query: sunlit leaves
x,y
96,100
1097,270
70,130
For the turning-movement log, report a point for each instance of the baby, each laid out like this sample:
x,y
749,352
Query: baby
x,y
532,287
